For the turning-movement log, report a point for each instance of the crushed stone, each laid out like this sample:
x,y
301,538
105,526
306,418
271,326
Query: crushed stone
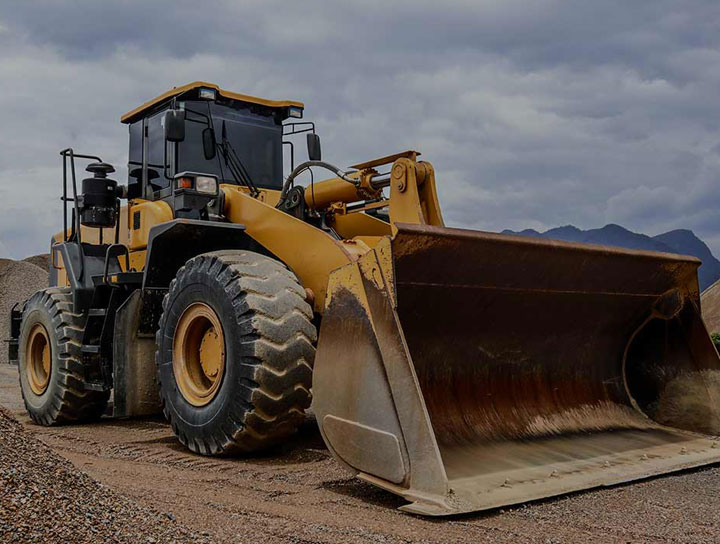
x,y
44,498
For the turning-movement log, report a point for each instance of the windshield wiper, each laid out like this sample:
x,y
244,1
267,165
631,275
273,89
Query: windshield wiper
x,y
235,165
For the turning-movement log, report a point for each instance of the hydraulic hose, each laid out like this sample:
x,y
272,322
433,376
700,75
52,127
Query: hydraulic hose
x,y
305,166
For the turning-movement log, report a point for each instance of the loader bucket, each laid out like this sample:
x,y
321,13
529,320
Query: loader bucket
x,y
467,370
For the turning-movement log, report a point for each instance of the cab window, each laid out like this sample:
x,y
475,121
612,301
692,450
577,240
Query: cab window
x,y
156,156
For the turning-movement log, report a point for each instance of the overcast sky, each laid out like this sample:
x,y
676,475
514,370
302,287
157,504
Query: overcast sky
x,y
535,114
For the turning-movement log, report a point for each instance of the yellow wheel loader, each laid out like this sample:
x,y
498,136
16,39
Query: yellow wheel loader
x,y
461,370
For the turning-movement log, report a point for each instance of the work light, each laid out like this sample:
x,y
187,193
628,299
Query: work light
x,y
206,94
206,184
197,183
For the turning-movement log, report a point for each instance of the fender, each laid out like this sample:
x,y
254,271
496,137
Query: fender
x,y
173,243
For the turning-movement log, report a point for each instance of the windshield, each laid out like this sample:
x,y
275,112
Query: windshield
x,y
256,138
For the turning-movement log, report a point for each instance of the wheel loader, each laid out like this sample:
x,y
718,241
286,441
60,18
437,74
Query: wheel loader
x,y
462,370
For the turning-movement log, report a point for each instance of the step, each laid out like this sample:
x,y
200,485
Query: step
x,y
97,312
87,348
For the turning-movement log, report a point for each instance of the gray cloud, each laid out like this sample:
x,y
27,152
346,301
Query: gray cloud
x,y
535,114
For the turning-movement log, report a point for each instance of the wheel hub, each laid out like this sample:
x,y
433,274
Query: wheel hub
x,y
39,357
211,353
199,354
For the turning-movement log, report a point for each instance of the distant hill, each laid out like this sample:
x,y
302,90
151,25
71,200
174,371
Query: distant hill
x,y
676,241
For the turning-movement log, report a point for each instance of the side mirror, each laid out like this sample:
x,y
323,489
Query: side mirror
x,y
209,144
313,147
175,125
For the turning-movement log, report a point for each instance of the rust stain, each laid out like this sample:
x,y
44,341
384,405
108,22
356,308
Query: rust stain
x,y
517,338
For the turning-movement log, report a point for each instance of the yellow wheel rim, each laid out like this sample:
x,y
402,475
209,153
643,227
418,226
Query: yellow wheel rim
x,y
199,354
38,359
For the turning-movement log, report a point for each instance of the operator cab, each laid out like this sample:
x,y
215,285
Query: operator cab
x,y
203,130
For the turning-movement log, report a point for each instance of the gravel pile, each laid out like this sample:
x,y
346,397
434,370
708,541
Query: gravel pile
x,y
18,281
42,260
44,498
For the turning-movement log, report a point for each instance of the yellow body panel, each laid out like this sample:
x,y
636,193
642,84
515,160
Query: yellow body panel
x,y
311,253
57,263
150,214
358,224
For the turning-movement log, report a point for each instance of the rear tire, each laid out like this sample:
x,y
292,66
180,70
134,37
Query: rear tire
x,y
255,394
54,392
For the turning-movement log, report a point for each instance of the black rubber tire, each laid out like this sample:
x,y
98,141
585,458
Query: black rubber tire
x,y
269,346
65,400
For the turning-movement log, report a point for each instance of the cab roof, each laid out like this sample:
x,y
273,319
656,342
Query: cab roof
x,y
140,111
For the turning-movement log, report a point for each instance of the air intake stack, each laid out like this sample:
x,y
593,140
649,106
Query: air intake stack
x,y
100,196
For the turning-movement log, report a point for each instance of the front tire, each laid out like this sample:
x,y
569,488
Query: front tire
x,y
235,347
52,374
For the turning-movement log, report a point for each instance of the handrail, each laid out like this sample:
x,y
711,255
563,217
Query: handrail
x,y
108,252
65,153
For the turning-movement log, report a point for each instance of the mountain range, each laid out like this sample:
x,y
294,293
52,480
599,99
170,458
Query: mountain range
x,y
681,241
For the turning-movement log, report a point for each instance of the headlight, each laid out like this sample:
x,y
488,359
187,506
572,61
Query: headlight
x,y
295,111
206,184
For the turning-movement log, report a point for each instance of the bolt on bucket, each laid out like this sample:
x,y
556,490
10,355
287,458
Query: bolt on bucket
x,y
467,370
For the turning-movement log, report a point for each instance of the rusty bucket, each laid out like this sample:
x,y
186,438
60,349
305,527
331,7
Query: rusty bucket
x,y
467,370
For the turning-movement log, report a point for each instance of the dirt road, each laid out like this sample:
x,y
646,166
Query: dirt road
x,y
301,495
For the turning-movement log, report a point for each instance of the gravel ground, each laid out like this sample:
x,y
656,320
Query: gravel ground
x,y
44,498
299,494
